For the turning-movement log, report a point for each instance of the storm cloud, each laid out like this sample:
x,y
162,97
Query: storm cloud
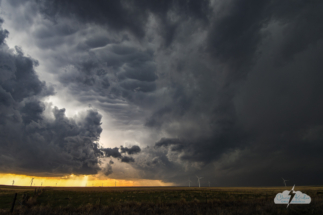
x,y
31,142
131,150
108,170
228,90
119,153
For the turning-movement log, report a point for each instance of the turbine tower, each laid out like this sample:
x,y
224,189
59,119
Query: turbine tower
x,y
198,179
189,182
284,181
31,184
13,181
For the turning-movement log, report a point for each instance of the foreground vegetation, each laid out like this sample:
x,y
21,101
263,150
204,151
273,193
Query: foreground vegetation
x,y
154,200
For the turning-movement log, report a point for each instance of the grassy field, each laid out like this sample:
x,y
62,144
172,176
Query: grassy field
x,y
154,200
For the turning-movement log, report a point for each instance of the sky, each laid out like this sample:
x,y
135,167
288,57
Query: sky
x,y
155,93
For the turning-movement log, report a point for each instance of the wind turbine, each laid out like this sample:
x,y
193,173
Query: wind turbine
x,y
198,179
13,181
41,184
115,183
284,181
189,182
31,184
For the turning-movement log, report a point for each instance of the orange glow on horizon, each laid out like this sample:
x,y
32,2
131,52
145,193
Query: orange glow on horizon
x,y
75,181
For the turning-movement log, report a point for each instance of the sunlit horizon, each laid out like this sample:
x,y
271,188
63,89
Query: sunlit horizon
x,y
75,181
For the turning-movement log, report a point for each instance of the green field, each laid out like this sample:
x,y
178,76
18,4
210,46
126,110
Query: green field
x,y
154,200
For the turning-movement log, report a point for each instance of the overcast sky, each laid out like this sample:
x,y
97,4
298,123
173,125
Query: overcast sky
x,y
230,91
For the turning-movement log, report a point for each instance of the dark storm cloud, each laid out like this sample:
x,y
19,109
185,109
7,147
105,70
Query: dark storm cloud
x,y
103,12
260,118
228,109
168,141
155,164
173,143
117,153
108,170
126,15
32,111
234,37
127,159
24,78
229,89
205,149
114,72
112,152
32,143
131,150
3,33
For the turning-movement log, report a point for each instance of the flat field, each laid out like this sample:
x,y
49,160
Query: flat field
x,y
154,200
